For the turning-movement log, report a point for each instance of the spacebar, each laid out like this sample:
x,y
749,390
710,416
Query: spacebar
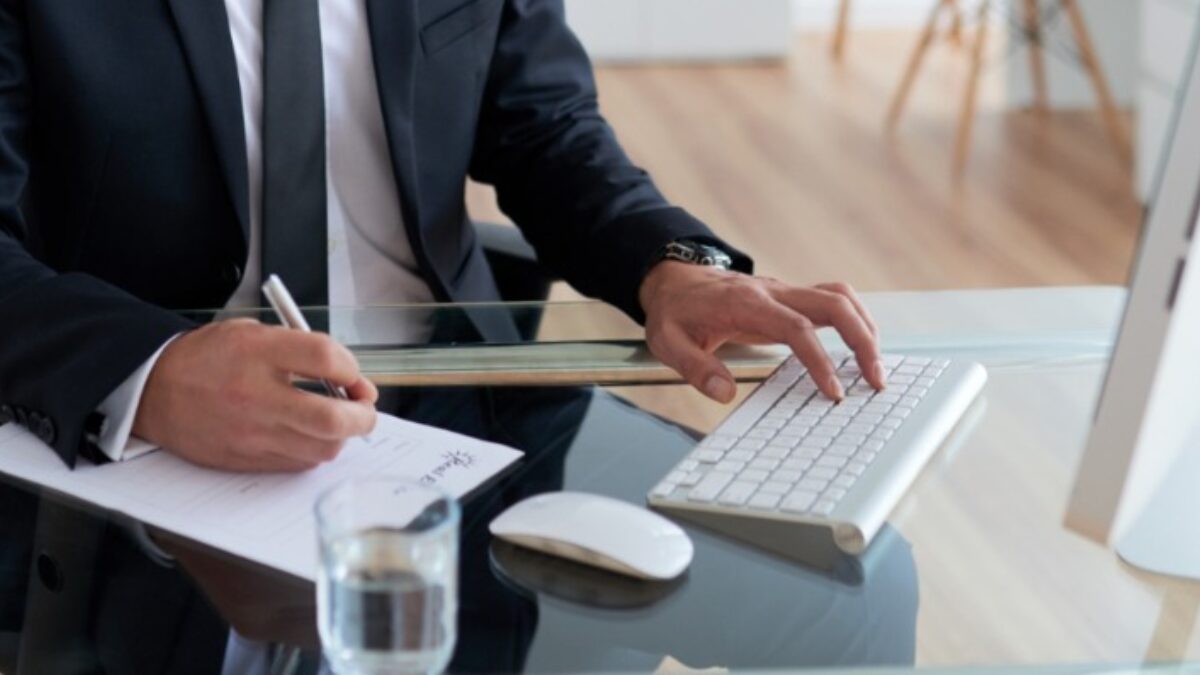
x,y
751,410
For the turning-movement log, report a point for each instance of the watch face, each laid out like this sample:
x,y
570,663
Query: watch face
x,y
698,254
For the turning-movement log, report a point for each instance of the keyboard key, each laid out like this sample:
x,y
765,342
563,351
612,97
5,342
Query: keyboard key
x,y
796,464
868,418
754,475
692,478
901,379
740,455
909,369
882,434
886,397
687,465
818,442
730,466
720,442
799,501
855,468
845,480
663,489
873,446
775,487
805,453
707,455
737,493
774,452
771,423
824,507
785,476
866,456
675,476
860,428
831,462
892,360
851,439
785,441
821,473
841,449
765,463
812,485
825,430
917,391
763,434
765,501
751,444
891,423
834,493
918,360
832,420
910,401
900,411
875,408
924,382
806,419
711,486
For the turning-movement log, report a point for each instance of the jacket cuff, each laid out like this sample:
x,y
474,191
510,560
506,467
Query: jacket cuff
x,y
637,241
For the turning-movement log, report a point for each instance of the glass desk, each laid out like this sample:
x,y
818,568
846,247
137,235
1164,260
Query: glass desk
x,y
974,570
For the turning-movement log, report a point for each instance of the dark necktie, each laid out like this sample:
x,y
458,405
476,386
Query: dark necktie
x,y
293,233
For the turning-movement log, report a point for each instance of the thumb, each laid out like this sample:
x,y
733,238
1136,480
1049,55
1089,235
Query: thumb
x,y
702,370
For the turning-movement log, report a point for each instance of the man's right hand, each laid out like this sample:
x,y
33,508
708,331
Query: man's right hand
x,y
222,396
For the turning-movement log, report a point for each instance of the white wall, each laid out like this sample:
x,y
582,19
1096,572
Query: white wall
x,y
822,14
626,30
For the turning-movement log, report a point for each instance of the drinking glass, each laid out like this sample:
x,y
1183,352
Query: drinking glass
x,y
387,593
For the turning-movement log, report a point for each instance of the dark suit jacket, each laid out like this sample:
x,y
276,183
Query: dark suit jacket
x,y
123,178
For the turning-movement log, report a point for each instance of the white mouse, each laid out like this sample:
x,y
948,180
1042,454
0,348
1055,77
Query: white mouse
x,y
598,531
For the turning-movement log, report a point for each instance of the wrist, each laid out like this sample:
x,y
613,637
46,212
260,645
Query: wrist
x,y
668,274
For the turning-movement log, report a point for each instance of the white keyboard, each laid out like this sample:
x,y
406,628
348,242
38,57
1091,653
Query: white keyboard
x,y
790,455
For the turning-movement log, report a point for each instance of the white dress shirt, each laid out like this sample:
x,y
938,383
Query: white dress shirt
x,y
370,259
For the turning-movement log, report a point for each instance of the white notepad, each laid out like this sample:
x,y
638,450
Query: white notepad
x,y
267,518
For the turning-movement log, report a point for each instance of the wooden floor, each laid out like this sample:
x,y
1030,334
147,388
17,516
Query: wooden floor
x,y
791,163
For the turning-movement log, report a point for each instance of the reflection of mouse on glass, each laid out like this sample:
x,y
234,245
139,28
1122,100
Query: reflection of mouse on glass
x,y
598,531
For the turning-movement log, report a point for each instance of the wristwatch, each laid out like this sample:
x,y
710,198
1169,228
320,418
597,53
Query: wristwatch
x,y
695,253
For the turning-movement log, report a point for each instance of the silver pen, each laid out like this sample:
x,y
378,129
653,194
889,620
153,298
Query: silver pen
x,y
290,316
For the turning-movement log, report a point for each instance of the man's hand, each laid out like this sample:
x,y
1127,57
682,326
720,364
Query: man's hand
x,y
222,396
693,310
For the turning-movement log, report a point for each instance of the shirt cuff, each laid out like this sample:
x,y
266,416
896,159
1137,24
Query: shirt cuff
x,y
116,439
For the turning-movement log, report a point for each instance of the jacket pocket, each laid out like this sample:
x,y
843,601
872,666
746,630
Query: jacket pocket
x,y
459,23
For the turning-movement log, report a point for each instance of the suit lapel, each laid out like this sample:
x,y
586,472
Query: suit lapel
x,y
394,43
204,30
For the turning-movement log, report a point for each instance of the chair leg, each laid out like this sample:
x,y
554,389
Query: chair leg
x,y
966,122
1108,107
956,23
843,27
914,64
1037,61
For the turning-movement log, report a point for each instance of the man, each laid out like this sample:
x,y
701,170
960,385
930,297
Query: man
x,y
165,154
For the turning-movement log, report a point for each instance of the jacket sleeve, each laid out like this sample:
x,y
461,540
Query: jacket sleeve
x,y
66,340
595,218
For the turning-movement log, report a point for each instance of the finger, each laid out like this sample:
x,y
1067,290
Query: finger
x,y
363,390
322,417
849,292
312,355
285,445
783,324
701,369
834,309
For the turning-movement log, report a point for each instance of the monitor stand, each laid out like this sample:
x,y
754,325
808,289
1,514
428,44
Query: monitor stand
x,y
1165,538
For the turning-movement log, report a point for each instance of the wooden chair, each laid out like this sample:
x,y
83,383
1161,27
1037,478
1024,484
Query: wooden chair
x,y
843,28
1032,21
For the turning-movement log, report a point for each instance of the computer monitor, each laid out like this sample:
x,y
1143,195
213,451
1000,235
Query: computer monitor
x,y
1138,485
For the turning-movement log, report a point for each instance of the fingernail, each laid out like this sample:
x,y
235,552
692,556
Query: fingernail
x,y
834,385
719,388
881,375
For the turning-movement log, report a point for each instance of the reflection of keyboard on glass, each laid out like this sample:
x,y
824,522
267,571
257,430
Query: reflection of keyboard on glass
x,y
788,459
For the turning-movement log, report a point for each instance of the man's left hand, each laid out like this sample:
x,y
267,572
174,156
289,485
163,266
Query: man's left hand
x,y
692,310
